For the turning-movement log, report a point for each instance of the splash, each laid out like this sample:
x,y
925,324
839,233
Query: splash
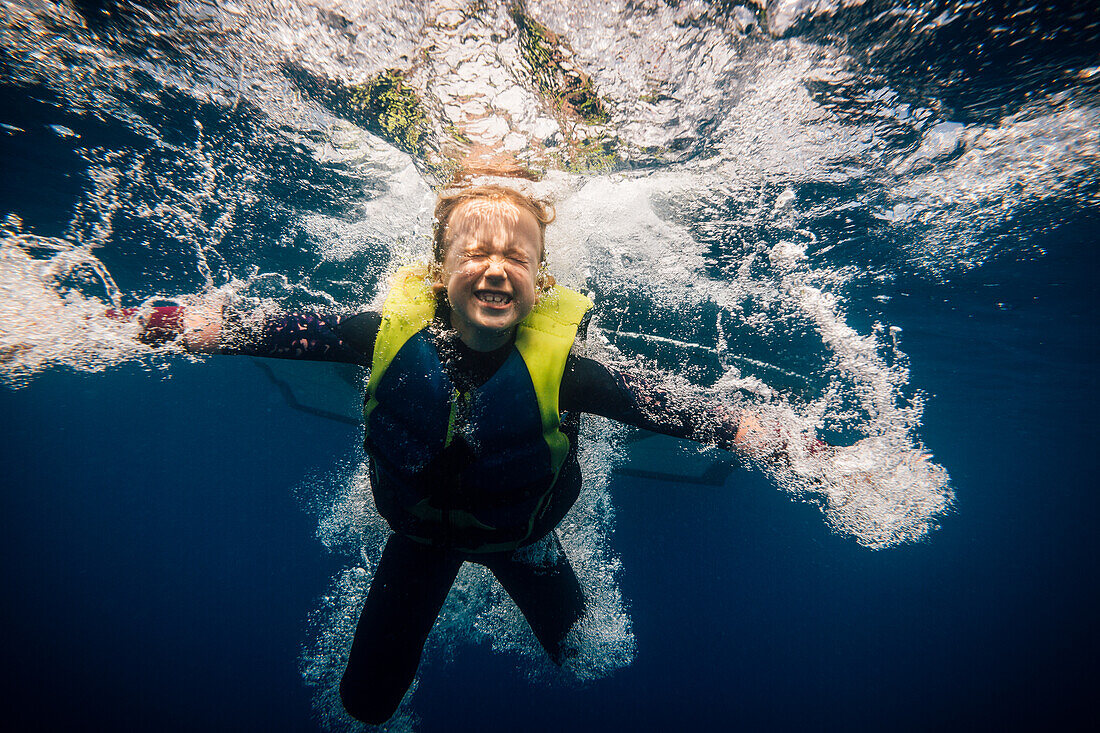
x,y
49,318
882,490
970,183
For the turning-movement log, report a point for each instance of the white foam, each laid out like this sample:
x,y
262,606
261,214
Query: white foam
x,y
961,212
637,243
897,497
388,221
50,315
783,14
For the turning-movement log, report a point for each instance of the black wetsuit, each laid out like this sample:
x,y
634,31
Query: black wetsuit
x,y
586,386
412,579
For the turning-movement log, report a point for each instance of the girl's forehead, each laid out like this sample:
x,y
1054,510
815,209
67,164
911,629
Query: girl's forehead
x,y
492,218
482,211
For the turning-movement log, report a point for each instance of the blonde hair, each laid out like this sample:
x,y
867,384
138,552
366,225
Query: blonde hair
x,y
543,212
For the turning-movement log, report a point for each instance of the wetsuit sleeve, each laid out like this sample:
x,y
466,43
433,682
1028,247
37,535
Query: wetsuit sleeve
x,y
312,336
595,388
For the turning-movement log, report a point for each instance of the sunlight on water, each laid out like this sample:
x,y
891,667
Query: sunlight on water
x,y
729,181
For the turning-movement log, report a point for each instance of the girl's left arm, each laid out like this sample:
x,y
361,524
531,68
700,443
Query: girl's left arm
x,y
592,387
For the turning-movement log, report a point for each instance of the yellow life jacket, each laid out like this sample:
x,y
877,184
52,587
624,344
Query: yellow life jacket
x,y
474,471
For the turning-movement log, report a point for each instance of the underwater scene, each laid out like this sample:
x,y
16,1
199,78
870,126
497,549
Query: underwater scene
x,y
873,223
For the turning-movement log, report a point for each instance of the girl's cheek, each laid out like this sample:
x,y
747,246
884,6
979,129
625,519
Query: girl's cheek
x,y
517,271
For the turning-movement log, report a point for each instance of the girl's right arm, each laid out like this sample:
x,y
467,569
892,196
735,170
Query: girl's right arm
x,y
203,329
348,339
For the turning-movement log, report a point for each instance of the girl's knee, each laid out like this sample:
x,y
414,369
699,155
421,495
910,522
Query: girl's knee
x,y
368,703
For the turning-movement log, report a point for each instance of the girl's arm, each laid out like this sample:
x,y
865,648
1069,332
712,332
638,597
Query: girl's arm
x,y
197,327
592,387
348,339
203,329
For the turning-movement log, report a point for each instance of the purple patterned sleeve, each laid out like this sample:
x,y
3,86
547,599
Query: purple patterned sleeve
x,y
315,337
589,386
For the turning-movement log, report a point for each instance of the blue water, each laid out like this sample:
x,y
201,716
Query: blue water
x,y
159,530
159,569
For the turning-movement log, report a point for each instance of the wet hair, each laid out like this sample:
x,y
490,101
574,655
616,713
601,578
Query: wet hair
x,y
445,207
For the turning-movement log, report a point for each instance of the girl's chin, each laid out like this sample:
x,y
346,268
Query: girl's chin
x,y
495,326
495,318
487,321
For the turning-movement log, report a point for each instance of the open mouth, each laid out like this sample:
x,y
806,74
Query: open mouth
x,y
493,298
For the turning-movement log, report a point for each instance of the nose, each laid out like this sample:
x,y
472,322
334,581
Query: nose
x,y
495,268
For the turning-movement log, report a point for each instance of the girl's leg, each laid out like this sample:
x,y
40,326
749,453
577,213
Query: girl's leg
x,y
405,596
542,583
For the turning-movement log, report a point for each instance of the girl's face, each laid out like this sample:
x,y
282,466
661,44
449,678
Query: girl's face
x,y
490,270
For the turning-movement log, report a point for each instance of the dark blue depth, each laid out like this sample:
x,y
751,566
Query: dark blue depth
x,y
159,570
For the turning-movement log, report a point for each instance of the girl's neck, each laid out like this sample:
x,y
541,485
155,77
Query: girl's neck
x,y
474,338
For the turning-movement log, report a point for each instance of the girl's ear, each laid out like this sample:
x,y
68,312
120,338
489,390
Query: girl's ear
x,y
544,281
435,274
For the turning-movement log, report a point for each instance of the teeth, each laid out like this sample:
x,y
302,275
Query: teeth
x,y
494,297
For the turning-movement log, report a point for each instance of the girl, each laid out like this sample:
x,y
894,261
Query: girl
x,y
471,418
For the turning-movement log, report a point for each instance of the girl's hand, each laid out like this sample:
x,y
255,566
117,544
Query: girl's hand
x,y
772,445
749,431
